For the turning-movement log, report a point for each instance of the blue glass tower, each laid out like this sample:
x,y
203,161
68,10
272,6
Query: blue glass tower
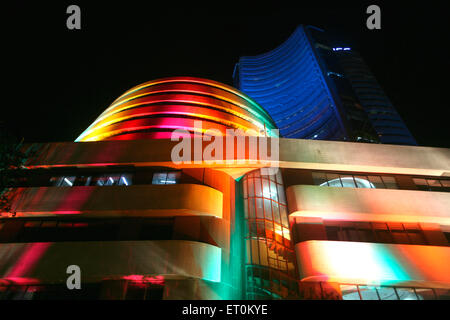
x,y
312,91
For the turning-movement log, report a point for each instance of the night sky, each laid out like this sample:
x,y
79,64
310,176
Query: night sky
x,y
58,80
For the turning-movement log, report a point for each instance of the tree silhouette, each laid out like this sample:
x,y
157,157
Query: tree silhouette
x,y
11,160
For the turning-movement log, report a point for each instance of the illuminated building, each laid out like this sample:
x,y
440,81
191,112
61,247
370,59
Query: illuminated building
x,y
339,220
316,90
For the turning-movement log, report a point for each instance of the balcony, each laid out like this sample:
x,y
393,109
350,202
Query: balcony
x,y
374,263
109,201
353,204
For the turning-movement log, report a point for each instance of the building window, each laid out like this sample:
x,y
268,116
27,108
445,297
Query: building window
x,y
63,181
376,232
166,177
428,184
112,180
103,180
362,292
328,179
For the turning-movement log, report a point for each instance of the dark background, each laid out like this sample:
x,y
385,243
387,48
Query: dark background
x,y
58,80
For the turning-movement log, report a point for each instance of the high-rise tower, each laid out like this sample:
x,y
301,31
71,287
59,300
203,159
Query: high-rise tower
x,y
316,91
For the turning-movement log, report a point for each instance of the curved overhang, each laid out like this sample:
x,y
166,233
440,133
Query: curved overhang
x,y
374,263
153,110
355,204
47,262
127,201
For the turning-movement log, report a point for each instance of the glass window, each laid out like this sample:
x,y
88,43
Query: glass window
x,y
387,293
273,191
173,177
258,192
406,294
347,182
251,188
268,209
284,218
276,212
281,196
376,181
83,181
265,188
159,178
166,177
390,182
364,183
368,293
63,181
425,294
259,208
332,183
350,292
125,180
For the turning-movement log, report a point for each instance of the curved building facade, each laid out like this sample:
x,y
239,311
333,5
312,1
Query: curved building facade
x,y
153,110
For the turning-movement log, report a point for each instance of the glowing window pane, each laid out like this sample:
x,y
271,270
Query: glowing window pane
x,y
268,209
173,177
273,191
258,192
251,188
387,293
276,212
125,180
251,206
406,294
283,214
347,182
368,293
255,255
159,178
263,253
259,209
67,181
281,196
266,188
350,292
112,180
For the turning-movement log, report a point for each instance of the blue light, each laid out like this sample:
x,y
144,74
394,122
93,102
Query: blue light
x,y
341,49
275,75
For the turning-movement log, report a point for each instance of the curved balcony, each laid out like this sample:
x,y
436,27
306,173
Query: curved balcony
x,y
107,201
368,204
374,263
47,262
